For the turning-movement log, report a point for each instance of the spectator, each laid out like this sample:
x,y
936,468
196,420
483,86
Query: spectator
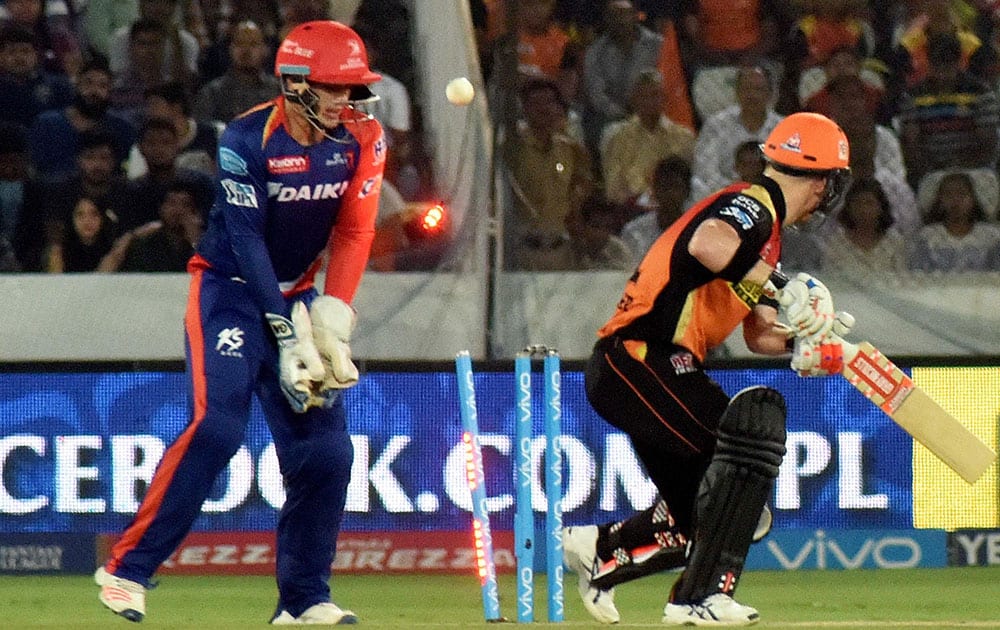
x,y
865,243
929,19
96,177
752,118
875,150
612,63
824,28
295,12
246,82
541,42
55,39
26,88
85,243
748,161
23,224
593,240
724,33
550,174
956,235
168,243
62,128
950,119
143,70
814,95
671,188
828,26
175,48
103,18
198,141
216,58
159,146
633,147
393,110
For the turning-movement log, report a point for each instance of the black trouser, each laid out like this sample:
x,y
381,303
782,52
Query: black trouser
x,y
669,408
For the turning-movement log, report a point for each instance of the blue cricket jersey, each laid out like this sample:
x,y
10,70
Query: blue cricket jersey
x,y
281,206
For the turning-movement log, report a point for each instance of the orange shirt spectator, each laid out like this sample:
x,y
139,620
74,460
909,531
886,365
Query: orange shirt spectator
x,y
541,53
724,25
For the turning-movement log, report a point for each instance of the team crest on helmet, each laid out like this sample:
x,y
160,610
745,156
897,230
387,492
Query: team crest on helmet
x,y
842,150
793,144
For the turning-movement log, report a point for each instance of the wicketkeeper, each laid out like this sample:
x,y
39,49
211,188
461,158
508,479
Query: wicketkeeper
x,y
299,180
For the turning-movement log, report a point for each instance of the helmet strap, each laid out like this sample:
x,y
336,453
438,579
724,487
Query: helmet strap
x,y
308,99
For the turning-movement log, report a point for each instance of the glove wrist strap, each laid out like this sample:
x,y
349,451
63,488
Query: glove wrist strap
x,y
282,328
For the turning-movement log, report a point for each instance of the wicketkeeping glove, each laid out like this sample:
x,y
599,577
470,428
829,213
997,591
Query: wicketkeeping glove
x,y
300,368
333,322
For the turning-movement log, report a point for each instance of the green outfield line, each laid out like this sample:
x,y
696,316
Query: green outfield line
x,y
863,599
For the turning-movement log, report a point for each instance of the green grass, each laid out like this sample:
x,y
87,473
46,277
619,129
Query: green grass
x,y
897,600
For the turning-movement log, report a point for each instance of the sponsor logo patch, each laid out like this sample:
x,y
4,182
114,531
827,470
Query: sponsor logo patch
x,y
292,47
309,193
230,340
231,162
741,217
793,144
238,194
286,164
367,187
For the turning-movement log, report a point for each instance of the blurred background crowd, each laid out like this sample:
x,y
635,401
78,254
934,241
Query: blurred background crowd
x,y
611,118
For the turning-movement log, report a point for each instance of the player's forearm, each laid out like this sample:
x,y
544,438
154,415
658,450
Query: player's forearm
x,y
762,334
348,260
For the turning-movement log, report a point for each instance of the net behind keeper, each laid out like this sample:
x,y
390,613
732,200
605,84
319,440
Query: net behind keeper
x,y
299,179
712,459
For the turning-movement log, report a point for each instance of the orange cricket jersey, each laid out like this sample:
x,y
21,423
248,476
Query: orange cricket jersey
x,y
672,299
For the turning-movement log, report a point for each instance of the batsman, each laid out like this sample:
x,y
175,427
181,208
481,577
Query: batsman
x,y
712,458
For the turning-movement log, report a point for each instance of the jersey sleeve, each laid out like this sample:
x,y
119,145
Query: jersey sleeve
x,y
243,201
351,241
752,221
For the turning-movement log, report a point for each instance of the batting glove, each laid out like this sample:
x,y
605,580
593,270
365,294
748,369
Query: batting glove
x,y
808,306
300,368
333,322
810,358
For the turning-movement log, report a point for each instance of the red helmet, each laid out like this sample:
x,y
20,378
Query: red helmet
x,y
325,51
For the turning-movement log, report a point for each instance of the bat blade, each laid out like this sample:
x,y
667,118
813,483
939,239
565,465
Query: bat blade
x,y
888,387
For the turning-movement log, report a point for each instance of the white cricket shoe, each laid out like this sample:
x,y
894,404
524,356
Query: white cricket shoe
x,y
123,597
580,557
325,614
715,610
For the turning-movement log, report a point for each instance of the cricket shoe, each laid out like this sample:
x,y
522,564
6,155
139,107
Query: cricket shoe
x,y
324,614
580,557
715,610
123,597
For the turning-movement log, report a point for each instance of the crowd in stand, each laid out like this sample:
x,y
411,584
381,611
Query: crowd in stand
x,y
641,108
612,116
110,112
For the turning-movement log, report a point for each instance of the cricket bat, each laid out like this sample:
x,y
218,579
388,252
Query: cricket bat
x,y
881,382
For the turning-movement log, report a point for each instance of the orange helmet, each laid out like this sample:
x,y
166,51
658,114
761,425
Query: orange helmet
x,y
325,51
807,144
806,141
